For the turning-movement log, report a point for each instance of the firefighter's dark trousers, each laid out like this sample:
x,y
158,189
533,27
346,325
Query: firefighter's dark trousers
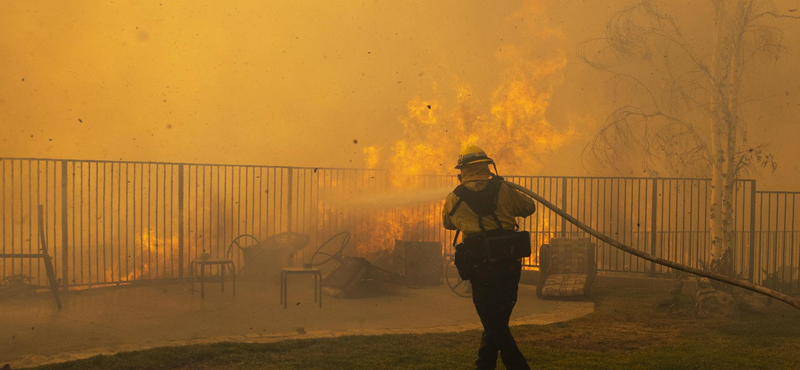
x,y
494,293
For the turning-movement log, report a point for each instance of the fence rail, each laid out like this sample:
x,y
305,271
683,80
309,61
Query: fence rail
x,y
122,221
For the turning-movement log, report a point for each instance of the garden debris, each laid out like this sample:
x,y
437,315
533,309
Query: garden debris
x,y
712,303
356,277
748,303
14,285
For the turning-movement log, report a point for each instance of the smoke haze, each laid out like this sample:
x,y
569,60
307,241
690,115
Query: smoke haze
x,y
400,198
315,83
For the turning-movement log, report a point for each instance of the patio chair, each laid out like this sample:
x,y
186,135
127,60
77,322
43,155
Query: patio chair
x,y
567,268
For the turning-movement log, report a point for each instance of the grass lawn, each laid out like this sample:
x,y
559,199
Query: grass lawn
x,y
626,331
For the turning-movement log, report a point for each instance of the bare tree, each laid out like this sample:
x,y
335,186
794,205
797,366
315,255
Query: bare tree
x,y
684,96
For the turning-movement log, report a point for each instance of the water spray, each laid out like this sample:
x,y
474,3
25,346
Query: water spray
x,y
660,261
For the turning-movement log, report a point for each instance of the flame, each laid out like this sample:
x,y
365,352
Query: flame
x,y
513,129
165,249
382,235
372,156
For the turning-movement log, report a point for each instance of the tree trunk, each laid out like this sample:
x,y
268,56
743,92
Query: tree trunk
x,y
726,265
725,82
718,131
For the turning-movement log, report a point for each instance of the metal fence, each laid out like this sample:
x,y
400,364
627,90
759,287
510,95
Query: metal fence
x,y
665,217
776,253
118,221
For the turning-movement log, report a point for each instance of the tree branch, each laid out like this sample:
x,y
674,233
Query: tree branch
x,y
776,15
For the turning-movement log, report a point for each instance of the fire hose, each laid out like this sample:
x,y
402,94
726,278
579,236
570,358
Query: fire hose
x,y
674,265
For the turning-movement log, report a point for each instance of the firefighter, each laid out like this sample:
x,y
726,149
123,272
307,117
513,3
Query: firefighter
x,y
481,207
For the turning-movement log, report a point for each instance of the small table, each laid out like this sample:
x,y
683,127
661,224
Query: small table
x,y
223,263
286,271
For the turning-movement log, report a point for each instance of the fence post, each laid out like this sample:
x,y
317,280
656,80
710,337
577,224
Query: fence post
x,y
752,230
653,225
564,206
180,221
64,229
289,195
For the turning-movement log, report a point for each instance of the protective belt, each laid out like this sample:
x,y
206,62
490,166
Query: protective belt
x,y
488,247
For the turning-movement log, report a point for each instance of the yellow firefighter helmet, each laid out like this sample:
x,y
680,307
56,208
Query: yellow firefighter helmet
x,y
472,154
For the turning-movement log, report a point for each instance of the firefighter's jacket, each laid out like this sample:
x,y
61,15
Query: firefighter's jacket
x,y
510,204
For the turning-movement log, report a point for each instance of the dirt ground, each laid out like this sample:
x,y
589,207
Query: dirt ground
x,y
110,320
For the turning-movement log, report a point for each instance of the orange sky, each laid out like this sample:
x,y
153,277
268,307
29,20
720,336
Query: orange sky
x,y
296,82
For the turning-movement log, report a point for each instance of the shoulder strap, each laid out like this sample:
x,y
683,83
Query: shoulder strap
x,y
496,182
455,238
497,220
455,207
483,202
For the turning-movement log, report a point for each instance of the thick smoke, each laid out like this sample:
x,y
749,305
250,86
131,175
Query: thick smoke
x,y
313,84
